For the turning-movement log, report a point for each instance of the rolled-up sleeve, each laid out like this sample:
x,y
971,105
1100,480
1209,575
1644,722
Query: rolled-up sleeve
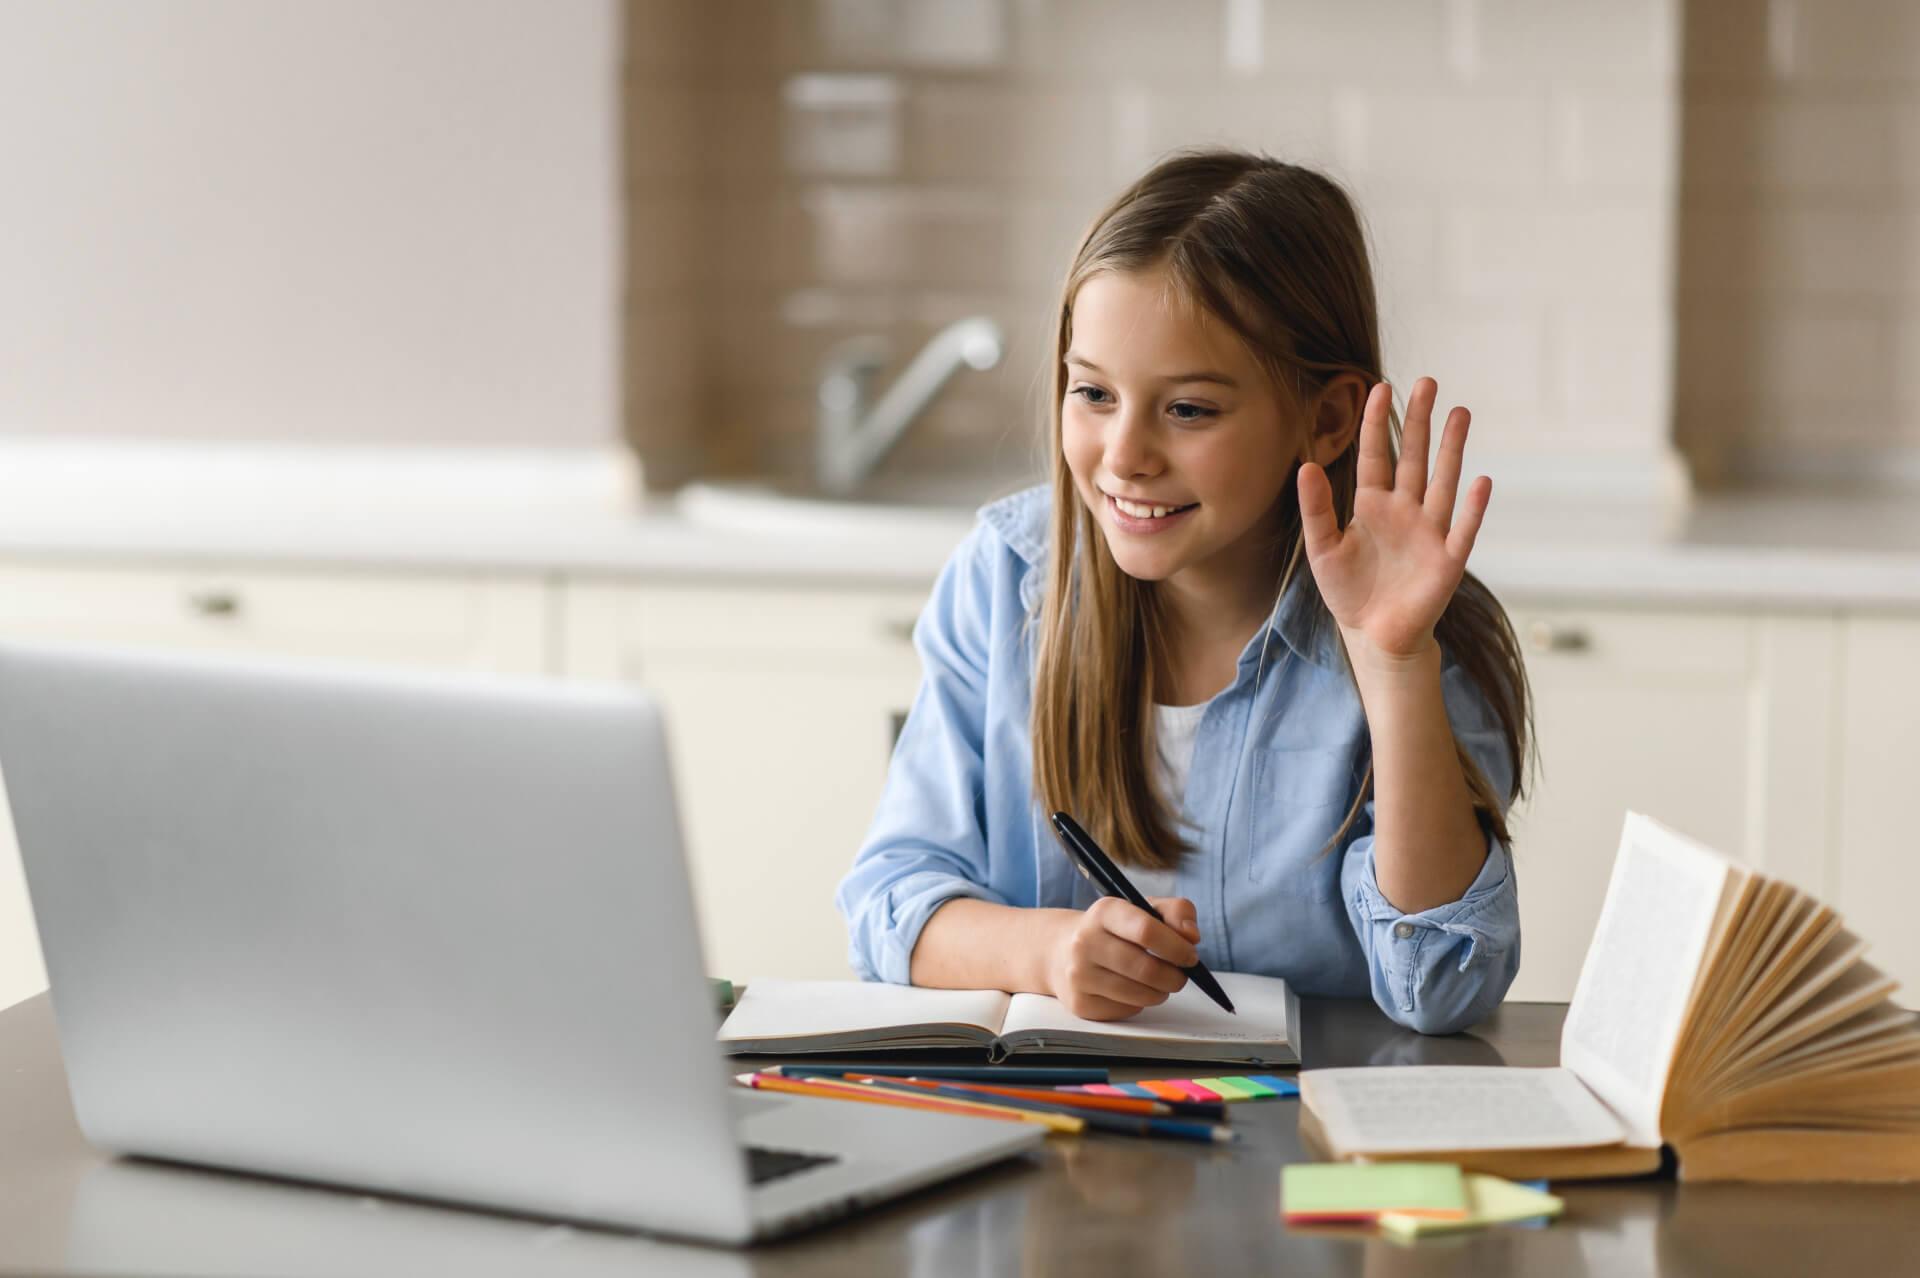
x,y
1443,969
928,843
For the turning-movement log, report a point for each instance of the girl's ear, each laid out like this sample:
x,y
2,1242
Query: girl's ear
x,y
1336,417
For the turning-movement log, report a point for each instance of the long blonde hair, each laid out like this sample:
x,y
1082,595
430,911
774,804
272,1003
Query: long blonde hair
x,y
1274,251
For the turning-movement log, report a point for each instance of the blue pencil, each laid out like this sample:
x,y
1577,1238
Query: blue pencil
x,y
1121,1124
1047,1074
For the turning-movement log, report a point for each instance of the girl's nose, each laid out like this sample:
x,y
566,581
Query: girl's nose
x,y
1131,449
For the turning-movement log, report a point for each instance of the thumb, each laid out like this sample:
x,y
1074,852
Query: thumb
x,y
1317,519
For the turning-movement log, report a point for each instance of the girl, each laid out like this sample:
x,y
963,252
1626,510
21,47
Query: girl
x,y
1310,781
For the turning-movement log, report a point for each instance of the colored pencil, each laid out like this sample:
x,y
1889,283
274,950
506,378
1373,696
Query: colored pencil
x,y
1075,1100
1119,1124
863,1093
999,1074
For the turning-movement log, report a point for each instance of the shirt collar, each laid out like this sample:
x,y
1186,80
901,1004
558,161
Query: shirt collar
x,y
1024,520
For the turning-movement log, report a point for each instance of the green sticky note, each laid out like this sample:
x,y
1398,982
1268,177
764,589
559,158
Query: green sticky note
x,y
1490,1201
1362,1191
1248,1088
1229,1090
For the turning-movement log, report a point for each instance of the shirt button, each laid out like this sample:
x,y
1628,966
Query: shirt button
x,y
1403,930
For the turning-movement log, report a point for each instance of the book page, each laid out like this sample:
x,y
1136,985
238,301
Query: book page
x,y
1259,1016
1631,1000
1410,1109
774,1009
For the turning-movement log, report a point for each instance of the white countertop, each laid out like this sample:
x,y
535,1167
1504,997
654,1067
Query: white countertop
x,y
582,512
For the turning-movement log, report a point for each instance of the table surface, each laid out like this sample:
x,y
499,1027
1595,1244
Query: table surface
x,y
1088,1205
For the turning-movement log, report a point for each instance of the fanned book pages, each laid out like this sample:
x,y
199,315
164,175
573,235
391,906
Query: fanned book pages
x,y
1720,1012
775,1017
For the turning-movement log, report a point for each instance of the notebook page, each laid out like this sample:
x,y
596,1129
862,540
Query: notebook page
x,y
802,1009
1189,1016
1411,1109
1631,1000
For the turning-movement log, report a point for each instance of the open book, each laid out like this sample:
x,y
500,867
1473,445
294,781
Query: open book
x,y
776,1017
1719,1011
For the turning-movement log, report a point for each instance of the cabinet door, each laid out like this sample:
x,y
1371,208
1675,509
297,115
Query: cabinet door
x,y
1879,758
468,623
782,706
472,623
1714,724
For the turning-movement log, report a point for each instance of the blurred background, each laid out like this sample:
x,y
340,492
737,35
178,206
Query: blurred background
x,y
676,340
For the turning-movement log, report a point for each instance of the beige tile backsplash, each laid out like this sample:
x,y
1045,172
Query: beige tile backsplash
x,y
804,171
1799,290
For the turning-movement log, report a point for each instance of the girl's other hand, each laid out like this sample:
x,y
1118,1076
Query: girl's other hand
x,y
1390,573
1113,958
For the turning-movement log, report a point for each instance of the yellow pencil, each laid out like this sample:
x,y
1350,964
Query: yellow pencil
x,y
879,1096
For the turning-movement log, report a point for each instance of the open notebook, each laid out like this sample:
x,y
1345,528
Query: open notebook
x,y
777,1017
1721,1012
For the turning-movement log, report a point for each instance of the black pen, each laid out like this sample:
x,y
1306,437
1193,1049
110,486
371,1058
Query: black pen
x,y
1106,876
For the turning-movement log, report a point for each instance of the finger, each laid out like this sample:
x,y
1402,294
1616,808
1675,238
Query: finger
x,y
1180,915
1467,526
1137,963
1375,469
1119,987
1317,520
1415,436
1094,1008
1130,923
1446,466
1123,957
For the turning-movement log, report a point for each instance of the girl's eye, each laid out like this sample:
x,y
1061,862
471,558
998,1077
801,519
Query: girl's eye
x,y
1190,412
1089,393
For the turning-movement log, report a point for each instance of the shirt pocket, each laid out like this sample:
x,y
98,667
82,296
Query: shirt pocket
x,y
1300,797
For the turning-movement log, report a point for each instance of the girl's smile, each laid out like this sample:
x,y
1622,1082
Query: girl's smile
x,y
1146,519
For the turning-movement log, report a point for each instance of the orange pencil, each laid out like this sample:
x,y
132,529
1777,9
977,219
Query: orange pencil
x,y
1078,1100
936,1104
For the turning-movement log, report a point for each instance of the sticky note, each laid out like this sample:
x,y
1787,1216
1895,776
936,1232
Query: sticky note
x,y
1164,1089
1490,1201
1095,1089
1363,1191
1237,1089
1137,1091
1193,1090
1281,1086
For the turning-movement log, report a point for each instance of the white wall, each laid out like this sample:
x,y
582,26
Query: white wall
x,y
310,220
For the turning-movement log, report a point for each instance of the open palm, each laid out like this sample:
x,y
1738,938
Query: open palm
x,y
1388,575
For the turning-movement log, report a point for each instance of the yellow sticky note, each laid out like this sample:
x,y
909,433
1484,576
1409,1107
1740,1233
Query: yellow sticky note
x,y
1490,1201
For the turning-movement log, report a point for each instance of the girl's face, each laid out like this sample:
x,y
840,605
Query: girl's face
x,y
1175,437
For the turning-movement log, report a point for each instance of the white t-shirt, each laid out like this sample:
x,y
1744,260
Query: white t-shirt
x,y
1175,728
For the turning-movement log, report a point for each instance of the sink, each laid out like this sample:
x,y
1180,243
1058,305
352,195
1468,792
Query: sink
x,y
937,505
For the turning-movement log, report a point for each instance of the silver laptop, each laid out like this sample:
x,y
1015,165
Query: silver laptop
x,y
428,935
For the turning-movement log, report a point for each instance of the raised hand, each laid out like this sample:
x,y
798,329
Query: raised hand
x,y
1388,575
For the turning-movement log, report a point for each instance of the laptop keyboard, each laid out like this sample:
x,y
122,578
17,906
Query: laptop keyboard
x,y
764,1165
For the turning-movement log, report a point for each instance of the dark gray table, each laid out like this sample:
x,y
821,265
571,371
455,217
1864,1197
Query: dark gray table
x,y
1091,1205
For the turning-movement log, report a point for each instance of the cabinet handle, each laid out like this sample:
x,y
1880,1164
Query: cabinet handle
x,y
214,603
1547,636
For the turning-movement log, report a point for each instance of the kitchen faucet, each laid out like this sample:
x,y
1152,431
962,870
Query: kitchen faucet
x,y
853,437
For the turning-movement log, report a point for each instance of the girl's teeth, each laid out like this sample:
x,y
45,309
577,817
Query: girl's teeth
x,y
1143,512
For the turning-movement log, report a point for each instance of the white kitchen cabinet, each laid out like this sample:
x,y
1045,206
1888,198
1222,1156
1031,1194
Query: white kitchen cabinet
x,y
466,622
1717,724
781,705
1878,867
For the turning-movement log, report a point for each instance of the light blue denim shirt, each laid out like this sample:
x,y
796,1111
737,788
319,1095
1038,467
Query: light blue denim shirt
x,y
1271,780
